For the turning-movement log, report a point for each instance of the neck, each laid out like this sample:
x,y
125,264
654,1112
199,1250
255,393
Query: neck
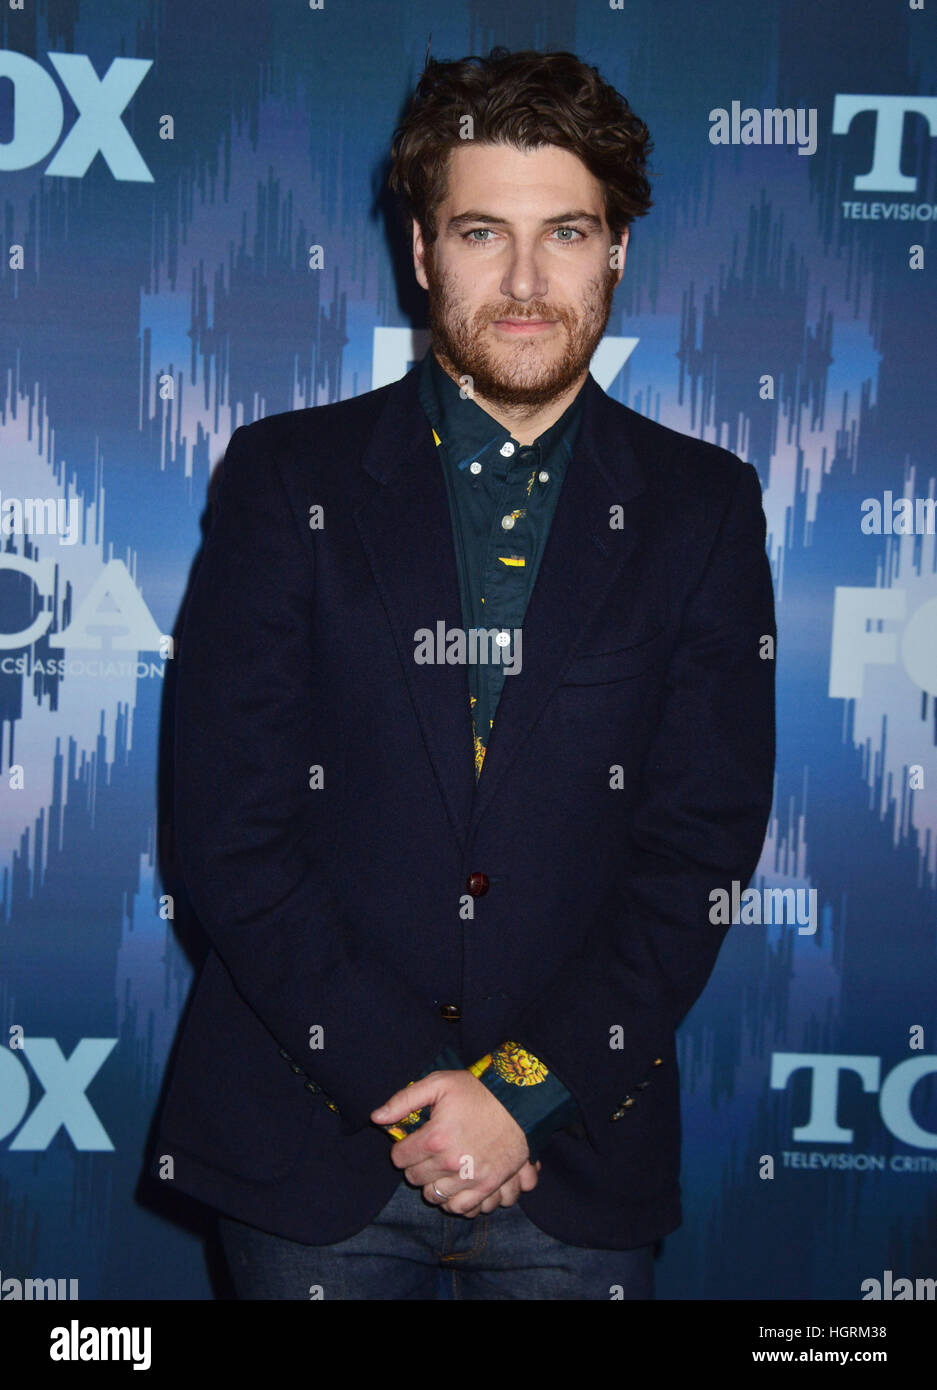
x,y
526,423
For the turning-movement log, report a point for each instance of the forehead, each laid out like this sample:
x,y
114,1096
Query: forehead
x,y
503,178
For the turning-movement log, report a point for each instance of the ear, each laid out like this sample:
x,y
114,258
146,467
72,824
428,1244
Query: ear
x,y
419,255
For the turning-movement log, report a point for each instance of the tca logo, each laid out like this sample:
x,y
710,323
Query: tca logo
x,y
894,1094
112,616
39,115
885,175
64,1081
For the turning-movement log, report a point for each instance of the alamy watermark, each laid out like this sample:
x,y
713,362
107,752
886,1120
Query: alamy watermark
x,y
767,906
773,126
36,1290
476,646
41,516
899,516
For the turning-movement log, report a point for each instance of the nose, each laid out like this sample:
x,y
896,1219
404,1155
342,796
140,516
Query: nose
x,y
524,279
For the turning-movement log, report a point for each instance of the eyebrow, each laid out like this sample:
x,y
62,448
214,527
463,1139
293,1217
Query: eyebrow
x,y
463,219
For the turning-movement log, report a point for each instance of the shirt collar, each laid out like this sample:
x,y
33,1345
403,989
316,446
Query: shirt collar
x,y
470,431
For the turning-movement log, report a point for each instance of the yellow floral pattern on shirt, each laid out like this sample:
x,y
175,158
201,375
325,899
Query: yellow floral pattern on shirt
x,y
479,746
513,1063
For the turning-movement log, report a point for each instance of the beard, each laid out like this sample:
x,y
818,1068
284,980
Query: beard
x,y
519,374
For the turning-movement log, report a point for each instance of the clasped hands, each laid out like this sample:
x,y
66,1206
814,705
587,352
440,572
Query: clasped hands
x,y
471,1146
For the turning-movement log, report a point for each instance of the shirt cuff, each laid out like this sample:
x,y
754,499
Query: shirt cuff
x,y
535,1096
446,1060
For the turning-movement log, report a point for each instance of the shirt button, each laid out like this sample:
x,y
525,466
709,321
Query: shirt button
x,y
507,522
477,884
475,467
507,449
503,639
451,1013
543,476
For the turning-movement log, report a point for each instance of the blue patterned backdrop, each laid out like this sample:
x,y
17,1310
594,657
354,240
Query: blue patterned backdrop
x,y
165,169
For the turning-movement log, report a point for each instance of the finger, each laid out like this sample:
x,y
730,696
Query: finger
x,y
467,1202
510,1191
420,1150
412,1097
429,1169
414,1150
458,1198
528,1178
490,1203
432,1194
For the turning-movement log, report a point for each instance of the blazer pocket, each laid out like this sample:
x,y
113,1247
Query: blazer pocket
x,y
602,668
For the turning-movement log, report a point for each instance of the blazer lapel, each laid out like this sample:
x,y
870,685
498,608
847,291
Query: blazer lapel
x,y
406,532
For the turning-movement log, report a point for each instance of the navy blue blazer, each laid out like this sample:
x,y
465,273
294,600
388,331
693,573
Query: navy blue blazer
x,y
628,775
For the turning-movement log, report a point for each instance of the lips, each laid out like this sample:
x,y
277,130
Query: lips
x,y
523,325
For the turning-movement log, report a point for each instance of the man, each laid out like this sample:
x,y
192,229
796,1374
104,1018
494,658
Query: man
x,y
459,894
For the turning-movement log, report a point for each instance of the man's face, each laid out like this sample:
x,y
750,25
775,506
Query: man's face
x,y
520,289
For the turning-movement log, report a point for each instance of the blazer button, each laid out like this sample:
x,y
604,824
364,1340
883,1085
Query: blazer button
x,y
451,1013
657,1062
477,885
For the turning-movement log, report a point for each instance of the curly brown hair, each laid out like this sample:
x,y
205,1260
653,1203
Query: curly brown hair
x,y
528,100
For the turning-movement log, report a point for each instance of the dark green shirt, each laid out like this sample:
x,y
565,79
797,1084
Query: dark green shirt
x,y
502,497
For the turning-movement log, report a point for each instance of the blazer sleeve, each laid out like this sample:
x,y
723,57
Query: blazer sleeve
x,y
607,1020
246,670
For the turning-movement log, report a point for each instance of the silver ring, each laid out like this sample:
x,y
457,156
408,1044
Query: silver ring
x,y
441,1195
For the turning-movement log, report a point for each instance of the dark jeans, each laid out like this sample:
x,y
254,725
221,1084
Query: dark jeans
x,y
414,1250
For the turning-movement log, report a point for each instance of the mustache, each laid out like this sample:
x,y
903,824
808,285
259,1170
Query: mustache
x,y
543,313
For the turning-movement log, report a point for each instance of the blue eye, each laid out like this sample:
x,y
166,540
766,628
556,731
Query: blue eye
x,y
480,236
